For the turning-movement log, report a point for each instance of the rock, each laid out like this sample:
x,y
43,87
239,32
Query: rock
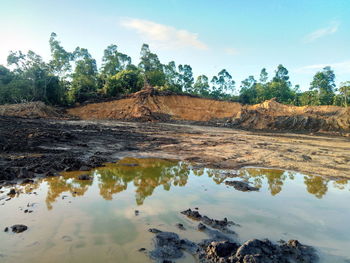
x,y
137,212
142,249
6,229
306,158
169,246
201,227
19,228
218,250
84,177
27,181
12,192
241,186
180,226
214,223
154,230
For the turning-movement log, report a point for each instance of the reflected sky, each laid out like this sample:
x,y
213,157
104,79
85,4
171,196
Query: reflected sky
x,y
72,217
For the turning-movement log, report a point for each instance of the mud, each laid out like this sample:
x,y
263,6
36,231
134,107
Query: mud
x,y
31,148
241,186
225,248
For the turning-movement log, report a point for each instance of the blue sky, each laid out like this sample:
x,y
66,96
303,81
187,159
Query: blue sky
x,y
240,36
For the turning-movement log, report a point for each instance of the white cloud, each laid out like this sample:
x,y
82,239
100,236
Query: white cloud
x,y
231,51
163,35
322,32
339,67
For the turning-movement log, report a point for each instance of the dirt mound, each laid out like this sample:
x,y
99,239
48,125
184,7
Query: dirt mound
x,y
31,110
271,115
151,105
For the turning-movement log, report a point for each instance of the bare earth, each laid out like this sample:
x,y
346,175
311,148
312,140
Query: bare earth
x,y
230,148
41,147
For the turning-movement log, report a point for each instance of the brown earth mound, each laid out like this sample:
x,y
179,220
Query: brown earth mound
x,y
152,105
271,115
31,110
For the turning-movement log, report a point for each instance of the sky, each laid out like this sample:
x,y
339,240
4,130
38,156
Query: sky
x,y
239,35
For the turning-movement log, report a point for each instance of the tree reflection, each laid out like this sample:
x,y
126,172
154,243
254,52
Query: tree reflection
x,y
145,175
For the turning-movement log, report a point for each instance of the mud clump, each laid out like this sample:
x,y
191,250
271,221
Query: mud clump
x,y
17,228
169,246
224,248
241,186
214,223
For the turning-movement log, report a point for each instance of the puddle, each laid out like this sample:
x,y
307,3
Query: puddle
x,y
96,220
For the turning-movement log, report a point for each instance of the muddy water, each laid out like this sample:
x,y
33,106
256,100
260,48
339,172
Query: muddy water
x,y
96,220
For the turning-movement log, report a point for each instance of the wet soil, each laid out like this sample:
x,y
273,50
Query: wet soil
x,y
37,147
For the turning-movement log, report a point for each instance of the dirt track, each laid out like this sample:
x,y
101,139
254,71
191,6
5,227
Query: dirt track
x,y
29,148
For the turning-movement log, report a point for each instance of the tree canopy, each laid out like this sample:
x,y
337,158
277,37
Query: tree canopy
x,y
73,76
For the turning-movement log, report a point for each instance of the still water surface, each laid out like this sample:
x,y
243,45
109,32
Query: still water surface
x,y
95,221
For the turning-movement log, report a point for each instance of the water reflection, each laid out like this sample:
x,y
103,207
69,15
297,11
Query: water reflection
x,y
145,175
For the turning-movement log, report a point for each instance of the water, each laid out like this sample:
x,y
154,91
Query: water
x,y
95,221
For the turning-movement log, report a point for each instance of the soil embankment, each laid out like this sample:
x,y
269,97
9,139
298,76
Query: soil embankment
x,y
150,105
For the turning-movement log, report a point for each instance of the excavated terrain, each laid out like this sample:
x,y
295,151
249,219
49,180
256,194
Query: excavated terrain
x,y
151,105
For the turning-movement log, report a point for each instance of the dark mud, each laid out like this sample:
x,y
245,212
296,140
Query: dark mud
x,y
31,148
242,186
222,246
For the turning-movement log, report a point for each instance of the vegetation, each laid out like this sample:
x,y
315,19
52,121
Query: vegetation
x,y
73,77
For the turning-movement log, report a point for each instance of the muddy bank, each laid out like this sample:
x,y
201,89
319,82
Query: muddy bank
x,y
39,147
222,246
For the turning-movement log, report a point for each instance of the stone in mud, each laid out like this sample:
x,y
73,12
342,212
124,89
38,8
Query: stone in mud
x,y
12,192
241,186
154,230
84,177
214,223
216,251
169,246
180,226
265,251
18,228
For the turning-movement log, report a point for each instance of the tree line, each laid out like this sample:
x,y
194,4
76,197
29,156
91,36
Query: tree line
x,y
73,77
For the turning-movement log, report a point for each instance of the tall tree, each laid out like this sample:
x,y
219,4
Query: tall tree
x,y
248,92
263,76
186,79
201,86
172,77
113,61
151,67
223,84
60,63
84,78
324,83
344,90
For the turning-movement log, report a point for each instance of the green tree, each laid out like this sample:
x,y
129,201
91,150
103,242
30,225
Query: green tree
x,y
60,63
324,83
172,77
151,67
114,61
344,91
84,79
124,82
186,79
263,76
222,85
201,86
248,93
